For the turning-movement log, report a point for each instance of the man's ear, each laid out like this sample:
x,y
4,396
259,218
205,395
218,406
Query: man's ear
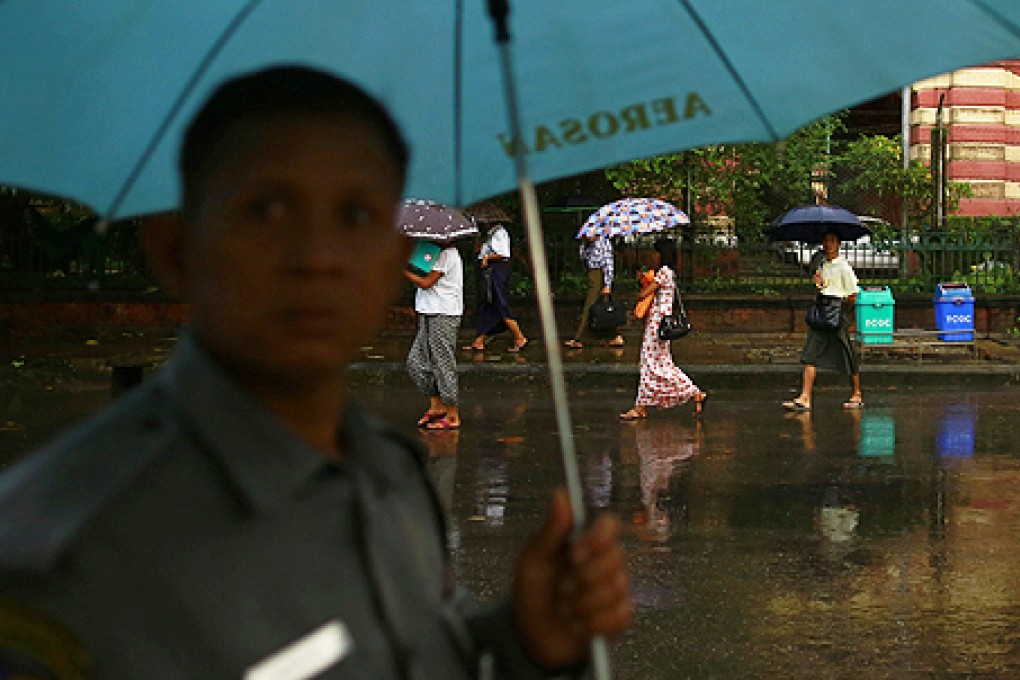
x,y
164,242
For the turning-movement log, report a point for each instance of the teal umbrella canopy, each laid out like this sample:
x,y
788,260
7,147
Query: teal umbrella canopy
x,y
96,94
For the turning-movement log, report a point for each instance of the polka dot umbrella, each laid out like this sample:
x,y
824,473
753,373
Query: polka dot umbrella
x,y
431,221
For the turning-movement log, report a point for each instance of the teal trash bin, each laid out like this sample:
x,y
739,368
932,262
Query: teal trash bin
x,y
954,311
875,311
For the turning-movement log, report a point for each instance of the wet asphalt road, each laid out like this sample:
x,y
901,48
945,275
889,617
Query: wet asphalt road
x,y
873,543
876,543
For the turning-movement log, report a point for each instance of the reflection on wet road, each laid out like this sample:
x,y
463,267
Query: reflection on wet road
x,y
871,543
874,543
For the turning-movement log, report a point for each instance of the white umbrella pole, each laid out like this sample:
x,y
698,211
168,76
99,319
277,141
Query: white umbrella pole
x,y
543,289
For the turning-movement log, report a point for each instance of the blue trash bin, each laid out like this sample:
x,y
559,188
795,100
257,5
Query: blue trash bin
x,y
954,311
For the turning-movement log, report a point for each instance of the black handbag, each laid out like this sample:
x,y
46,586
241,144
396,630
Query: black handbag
x,y
606,315
675,325
825,314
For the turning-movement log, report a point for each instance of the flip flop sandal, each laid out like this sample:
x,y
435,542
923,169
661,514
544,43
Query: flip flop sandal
x,y
699,405
515,349
429,416
853,403
633,415
614,343
573,344
795,405
442,423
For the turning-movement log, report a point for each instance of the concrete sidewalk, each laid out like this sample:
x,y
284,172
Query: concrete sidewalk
x,y
722,358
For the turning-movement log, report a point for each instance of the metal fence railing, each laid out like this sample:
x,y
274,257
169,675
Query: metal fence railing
x,y
709,262
716,262
73,259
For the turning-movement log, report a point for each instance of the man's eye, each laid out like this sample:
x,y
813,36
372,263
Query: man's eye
x,y
268,209
356,216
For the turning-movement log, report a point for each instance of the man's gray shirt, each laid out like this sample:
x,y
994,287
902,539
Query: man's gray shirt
x,y
186,533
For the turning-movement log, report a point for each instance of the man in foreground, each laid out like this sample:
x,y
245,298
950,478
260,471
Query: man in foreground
x,y
237,516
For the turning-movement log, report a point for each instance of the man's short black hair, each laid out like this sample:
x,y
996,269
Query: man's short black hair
x,y
268,92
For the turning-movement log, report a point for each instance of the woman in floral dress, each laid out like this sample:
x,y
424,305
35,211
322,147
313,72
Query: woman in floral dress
x,y
662,383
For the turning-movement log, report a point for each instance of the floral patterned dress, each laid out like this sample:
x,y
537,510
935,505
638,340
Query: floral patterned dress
x,y
662,383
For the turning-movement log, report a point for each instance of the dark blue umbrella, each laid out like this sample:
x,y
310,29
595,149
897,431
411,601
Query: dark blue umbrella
x,y
809,223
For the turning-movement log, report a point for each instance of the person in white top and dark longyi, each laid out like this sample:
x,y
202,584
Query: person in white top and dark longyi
x,y
494,314
831,350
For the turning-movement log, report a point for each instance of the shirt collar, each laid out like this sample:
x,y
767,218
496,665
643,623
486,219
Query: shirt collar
x,y
264,460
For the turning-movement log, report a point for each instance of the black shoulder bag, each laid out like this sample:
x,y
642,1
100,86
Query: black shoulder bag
x,y
675,325
606,315
825,314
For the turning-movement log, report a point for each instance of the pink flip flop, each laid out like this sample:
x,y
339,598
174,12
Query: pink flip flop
x,y
442,423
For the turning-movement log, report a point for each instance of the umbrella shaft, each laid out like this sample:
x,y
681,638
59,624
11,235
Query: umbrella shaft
x,y
543,290
536,248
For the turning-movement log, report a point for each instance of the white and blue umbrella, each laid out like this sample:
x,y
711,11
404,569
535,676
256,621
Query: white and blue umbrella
x,y
630,216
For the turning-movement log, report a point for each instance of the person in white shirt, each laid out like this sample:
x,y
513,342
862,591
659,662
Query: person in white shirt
x,y
494,300
432,361
831,350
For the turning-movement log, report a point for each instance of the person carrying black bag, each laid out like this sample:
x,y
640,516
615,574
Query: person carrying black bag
x,y
830,349
661,383
597,254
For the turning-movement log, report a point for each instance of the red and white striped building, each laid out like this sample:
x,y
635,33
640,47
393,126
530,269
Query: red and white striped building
x,y
981,113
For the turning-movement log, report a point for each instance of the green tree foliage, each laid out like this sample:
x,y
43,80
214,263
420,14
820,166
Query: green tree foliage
x,y
754,183
751,183
873,164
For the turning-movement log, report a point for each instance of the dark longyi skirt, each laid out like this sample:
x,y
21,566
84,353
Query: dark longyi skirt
x,y
832,350
491,314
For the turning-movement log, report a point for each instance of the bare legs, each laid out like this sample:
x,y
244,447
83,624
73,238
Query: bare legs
x,y
856,400
802,402
807,385
515,328
520,340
